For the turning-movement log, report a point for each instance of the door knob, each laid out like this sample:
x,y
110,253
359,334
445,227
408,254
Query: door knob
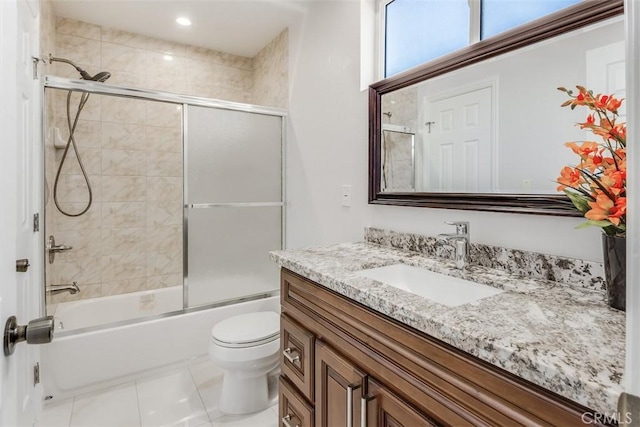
x,y
38,331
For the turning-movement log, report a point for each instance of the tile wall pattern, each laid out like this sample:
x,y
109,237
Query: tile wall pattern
x,y
131,238
271,71
397,147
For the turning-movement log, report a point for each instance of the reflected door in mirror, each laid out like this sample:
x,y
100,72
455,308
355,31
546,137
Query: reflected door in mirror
x,y
458,143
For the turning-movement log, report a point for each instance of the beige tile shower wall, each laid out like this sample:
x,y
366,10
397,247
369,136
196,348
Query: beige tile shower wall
x,y
398,157
131,238
271,71
139,61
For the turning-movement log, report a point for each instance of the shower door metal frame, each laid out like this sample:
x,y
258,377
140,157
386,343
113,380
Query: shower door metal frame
x,y
53,82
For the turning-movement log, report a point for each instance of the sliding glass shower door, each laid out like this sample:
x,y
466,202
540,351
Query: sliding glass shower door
x,y
233,203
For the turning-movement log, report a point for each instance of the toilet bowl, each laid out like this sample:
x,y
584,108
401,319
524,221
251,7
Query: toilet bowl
x,y
245,348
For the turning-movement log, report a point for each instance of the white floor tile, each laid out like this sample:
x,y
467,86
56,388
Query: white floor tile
x,y
204,372
171,400
208,380
56,414
185,396
117,406
265,418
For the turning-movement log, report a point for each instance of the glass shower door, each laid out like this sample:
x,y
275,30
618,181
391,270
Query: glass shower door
x,y
233,203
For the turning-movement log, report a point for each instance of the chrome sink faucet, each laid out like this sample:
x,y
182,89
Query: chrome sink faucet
x,y
461,241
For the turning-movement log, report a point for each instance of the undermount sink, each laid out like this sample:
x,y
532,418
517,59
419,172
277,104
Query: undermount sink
x,y
440,288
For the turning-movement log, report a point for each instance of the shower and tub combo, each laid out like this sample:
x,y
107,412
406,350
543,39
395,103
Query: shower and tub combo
x,y
164,208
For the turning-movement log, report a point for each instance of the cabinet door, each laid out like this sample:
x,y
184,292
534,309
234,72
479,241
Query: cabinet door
x,y
339,387
385,409
293,409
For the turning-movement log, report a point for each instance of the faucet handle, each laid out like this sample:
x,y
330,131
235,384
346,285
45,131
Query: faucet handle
x,y
462,227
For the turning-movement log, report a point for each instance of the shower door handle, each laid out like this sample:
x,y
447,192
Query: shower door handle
x,y
38,331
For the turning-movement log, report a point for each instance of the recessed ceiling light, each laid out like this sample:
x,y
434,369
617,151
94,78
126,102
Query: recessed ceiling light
x,y
168,58
182,20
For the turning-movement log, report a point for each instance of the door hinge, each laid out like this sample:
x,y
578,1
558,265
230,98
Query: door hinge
x,y
36,222
36,374
36,61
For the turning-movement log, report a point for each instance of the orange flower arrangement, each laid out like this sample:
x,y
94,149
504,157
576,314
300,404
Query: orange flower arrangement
x,y
597,186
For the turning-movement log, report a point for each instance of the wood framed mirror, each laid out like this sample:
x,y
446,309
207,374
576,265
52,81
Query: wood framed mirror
x,y
499,189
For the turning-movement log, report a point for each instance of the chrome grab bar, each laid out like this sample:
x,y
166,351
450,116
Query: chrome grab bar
x,y
287,354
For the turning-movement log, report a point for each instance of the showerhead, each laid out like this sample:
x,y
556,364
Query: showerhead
x,y
100,77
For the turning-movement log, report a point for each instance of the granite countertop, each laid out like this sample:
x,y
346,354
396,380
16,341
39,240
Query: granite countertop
x,y
561,337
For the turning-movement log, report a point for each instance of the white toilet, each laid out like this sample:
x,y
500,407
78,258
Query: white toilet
x,y
246,348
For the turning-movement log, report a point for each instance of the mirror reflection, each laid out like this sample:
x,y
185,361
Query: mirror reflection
x,y
497,126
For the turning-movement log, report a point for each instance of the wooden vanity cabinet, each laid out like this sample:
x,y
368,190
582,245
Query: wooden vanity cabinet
x,y
345,365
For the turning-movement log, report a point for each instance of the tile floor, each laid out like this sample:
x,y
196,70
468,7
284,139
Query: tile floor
x,y
186,396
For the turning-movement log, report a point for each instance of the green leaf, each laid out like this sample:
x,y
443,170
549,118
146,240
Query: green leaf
x,y
579,201
592,223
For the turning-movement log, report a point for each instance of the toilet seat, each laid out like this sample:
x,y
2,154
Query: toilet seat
x,y
247,330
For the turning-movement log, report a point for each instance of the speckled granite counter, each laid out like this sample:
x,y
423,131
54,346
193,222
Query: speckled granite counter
x,y
561,337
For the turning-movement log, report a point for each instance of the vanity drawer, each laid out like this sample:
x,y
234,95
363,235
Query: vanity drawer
x,y
293,410
296,355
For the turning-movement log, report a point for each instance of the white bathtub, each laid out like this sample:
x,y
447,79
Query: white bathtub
x,y
101,311
75,363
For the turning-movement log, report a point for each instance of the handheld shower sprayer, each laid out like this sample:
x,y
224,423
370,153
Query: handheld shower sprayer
x,y
72,124
100,77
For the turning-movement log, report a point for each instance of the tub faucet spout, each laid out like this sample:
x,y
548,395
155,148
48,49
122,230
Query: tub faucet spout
x,y
71,288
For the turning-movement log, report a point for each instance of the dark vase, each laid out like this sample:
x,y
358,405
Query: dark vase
x,y
615,270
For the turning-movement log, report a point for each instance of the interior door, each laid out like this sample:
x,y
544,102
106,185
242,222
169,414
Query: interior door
x,y
20,292
458,142
606,72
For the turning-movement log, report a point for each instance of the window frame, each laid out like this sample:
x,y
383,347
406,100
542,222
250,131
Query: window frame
x,y
475,25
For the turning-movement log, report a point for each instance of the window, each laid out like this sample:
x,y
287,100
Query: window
x,y
496,18
417,31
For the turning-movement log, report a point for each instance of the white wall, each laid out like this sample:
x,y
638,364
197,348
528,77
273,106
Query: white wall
x,y
327,138
327,147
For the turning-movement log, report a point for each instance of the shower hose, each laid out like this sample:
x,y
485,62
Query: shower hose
x,y
71,142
